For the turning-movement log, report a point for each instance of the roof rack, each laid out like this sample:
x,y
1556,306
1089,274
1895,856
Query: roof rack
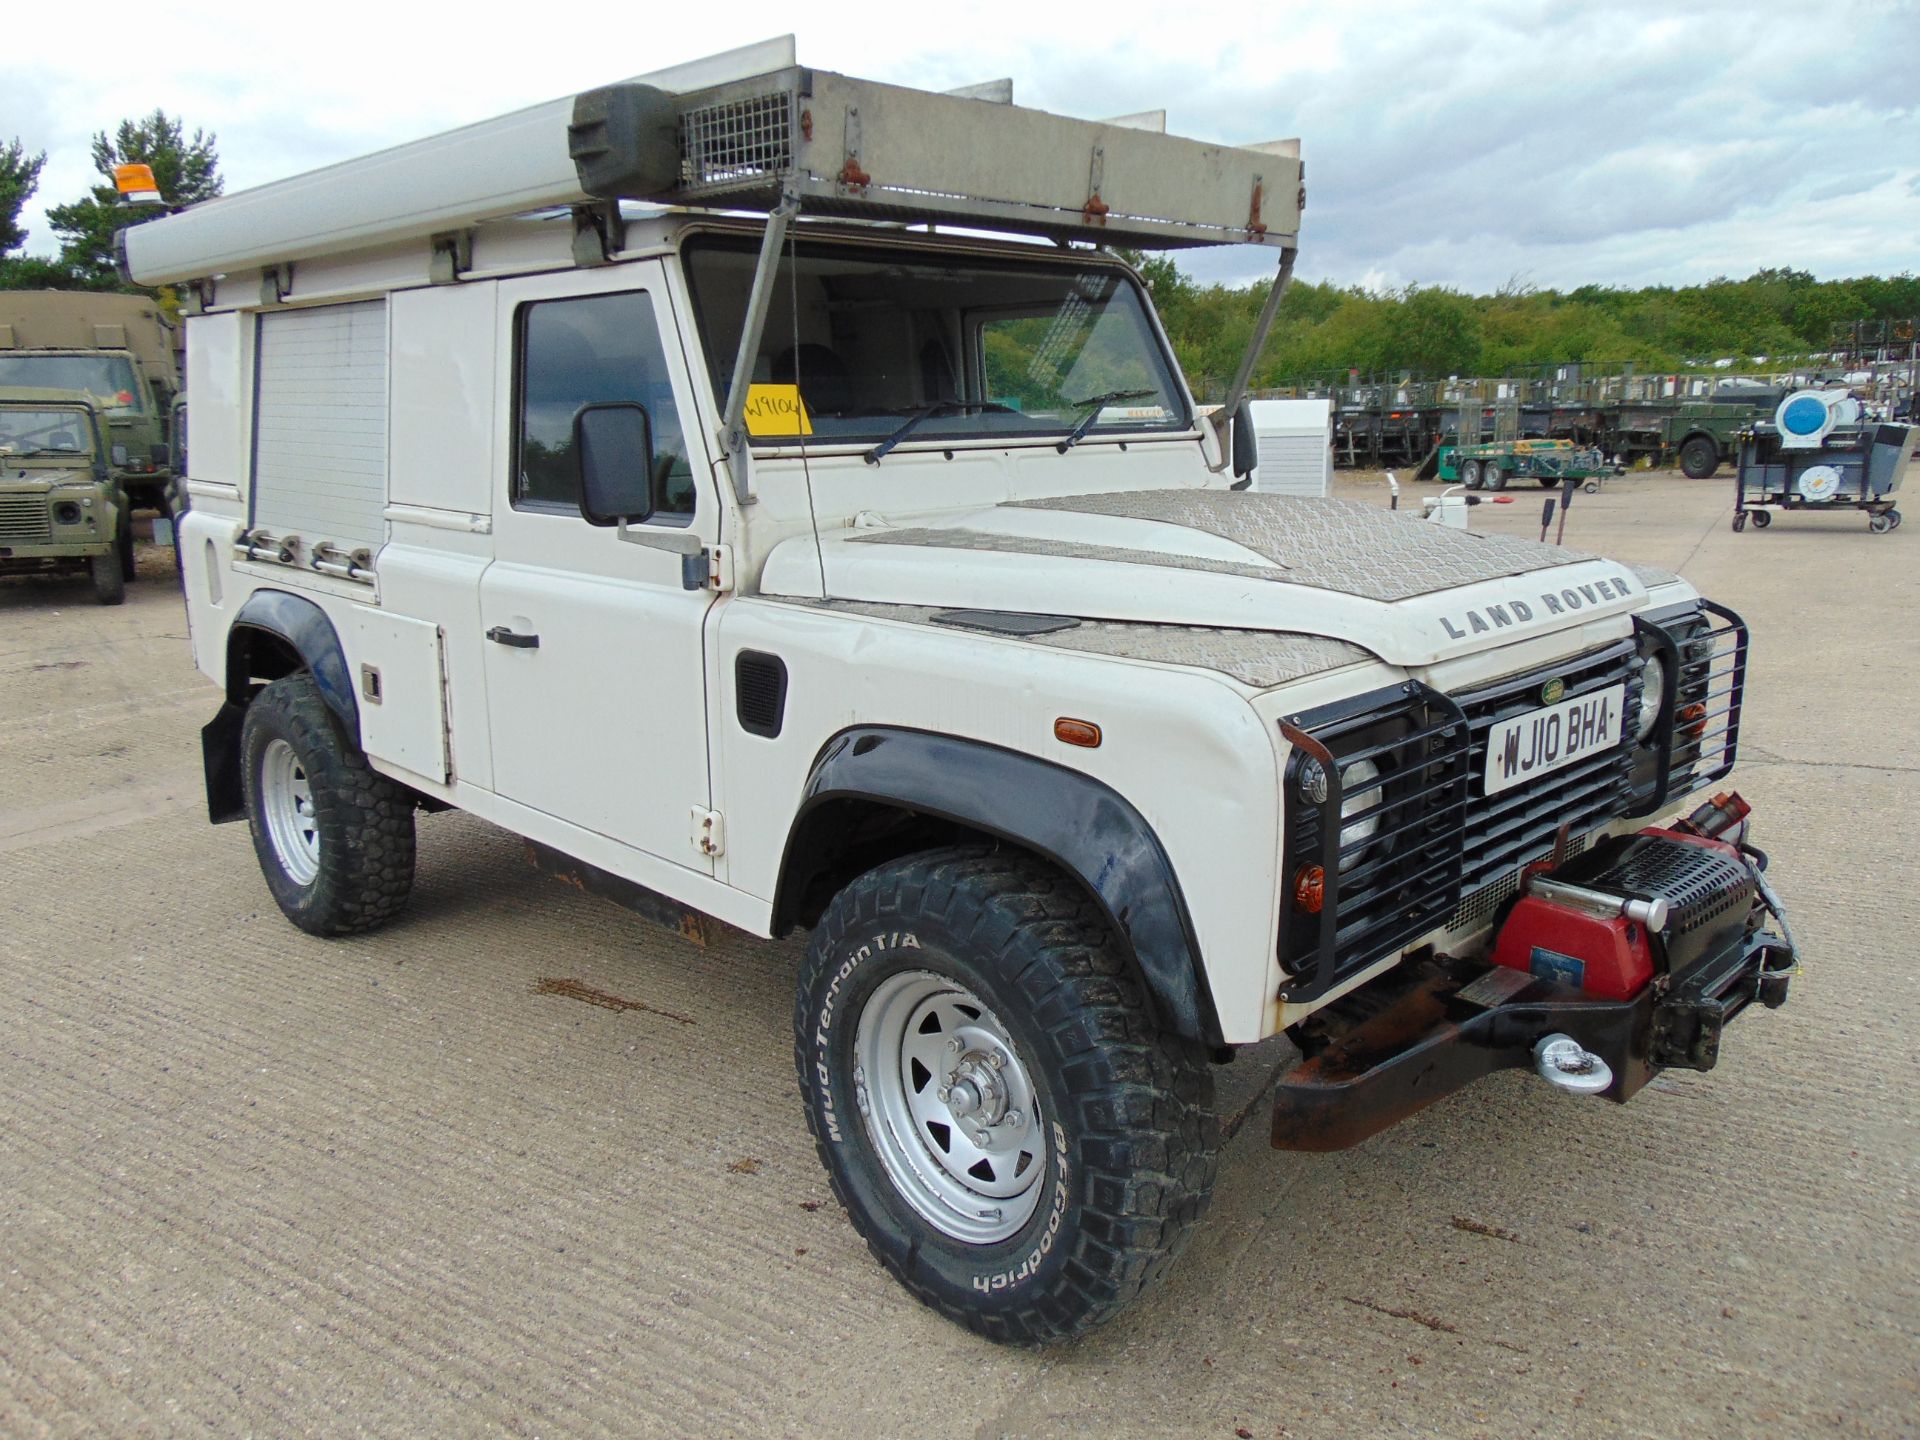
x,y
750,129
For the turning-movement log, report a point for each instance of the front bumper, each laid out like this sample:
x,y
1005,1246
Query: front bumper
x,y
32,555
1429,1028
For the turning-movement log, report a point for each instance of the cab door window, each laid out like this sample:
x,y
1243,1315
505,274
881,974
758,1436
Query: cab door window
x,y
587,350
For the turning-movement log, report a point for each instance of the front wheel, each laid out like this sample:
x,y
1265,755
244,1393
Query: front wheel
x,y
1496,478
1008,1131
1470,473
109,580
1761,519
1699,458
334,839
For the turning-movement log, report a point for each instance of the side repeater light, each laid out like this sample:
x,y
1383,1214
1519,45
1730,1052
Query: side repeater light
x,y
1083,733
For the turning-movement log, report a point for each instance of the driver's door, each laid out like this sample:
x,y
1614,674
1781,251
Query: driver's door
x,y
595,677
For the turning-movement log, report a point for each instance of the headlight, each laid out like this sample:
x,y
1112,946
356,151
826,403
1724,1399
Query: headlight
x,y
1357,799
1653,690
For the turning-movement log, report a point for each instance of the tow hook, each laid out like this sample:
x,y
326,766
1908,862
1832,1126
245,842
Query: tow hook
x,y
1563,1061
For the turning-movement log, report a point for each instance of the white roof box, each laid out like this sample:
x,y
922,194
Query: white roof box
x,y
735,132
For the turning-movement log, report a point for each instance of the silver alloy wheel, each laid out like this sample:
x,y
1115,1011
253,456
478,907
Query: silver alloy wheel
x,y
286,802
950,1107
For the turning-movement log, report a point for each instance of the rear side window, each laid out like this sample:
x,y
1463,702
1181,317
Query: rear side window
x,y
583,351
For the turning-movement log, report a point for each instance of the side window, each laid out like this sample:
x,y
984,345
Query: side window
x,y
583,351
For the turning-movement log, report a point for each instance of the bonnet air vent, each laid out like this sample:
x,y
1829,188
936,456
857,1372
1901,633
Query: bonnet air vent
x,y
760,692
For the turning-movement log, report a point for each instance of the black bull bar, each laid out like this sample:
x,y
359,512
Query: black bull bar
x,y
1430,1027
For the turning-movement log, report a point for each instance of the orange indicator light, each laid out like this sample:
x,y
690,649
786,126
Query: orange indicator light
x,y
1083,733
1310,889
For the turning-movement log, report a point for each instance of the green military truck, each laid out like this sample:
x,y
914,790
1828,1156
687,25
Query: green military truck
x,y
118,350
1700,434
1697,435
62,505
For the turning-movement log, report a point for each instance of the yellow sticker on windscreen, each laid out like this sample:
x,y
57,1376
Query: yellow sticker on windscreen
x,y
777,410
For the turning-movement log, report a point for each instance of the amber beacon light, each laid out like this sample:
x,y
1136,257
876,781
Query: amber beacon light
x,y
136,185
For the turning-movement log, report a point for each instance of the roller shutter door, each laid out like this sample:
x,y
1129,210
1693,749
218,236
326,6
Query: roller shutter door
x,y
320,425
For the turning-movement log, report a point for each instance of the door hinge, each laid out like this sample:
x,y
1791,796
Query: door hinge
x,y
709,832
707,569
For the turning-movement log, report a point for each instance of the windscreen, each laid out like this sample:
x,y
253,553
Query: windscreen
x,y
871,335
28,433
107,380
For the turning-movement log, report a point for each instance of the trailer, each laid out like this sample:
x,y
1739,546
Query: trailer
x,y
1818,453
1491,464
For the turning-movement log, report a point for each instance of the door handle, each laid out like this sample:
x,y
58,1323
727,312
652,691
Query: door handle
x,y
501,635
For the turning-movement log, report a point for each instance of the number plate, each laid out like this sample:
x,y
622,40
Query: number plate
x,y
1553,738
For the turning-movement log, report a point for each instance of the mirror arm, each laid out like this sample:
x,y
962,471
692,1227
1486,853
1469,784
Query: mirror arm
x,y
734,424
654,537
1222,419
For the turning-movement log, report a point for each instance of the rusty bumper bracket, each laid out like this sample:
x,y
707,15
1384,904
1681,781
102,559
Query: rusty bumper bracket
x,y
1395,1047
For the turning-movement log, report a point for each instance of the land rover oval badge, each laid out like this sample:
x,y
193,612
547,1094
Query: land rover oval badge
x,y
1551,692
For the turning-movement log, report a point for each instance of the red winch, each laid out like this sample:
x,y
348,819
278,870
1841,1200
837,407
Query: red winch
x,y
1607,920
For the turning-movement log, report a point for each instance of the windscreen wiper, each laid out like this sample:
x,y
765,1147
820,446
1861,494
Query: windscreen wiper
x,y
926,412
1095,404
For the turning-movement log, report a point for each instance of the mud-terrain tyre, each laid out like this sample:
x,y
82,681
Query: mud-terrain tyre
x,y
334,839
109,580
975,987
1699,457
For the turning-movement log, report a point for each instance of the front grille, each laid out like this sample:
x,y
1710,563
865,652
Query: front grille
x,y
736,142
24,519
1384,899
1518,826
1481,905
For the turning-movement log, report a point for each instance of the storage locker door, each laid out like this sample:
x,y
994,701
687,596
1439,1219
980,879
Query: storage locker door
x,y
320,425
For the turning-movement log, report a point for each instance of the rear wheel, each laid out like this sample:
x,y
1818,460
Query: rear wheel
x,y
1470,474
1007,1129
1548,482
1761,519
334,839
1739,521
109,580
1880,524
1699,457
1496,477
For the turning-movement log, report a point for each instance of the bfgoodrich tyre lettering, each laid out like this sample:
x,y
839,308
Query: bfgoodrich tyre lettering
x,y
1013,967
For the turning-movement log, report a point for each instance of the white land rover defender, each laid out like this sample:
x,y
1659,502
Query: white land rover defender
x,y
767,493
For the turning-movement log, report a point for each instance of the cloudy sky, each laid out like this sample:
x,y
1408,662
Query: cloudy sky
x,y
1472,143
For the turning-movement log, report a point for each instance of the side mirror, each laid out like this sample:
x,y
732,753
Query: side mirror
x,y
613,452
1246,445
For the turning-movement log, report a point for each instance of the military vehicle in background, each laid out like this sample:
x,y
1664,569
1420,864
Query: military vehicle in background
x,y
62,505
118,350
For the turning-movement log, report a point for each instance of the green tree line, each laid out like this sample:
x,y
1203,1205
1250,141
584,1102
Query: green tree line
x,y
1432,332
185,167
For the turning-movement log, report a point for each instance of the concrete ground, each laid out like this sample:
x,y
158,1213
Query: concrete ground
x,y
251,1182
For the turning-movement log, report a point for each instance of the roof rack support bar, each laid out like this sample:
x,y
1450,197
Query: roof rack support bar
x,y
734,422
1236,392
